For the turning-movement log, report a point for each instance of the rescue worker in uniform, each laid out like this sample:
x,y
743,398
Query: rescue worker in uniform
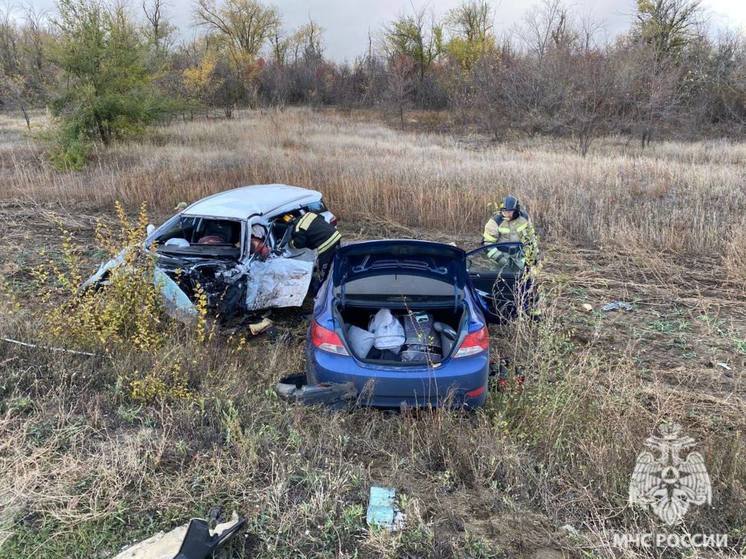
x,y
312,231
512,225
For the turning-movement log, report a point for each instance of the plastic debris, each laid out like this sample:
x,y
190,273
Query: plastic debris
x,y
617,306
724,366
296,389
382,509
261,326
587,307
101,275
195,540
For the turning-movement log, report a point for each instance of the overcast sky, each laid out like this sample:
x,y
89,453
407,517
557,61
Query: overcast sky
x,y
346,23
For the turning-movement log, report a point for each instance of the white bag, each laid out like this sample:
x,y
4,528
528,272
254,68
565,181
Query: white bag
x,y
388,331
360,341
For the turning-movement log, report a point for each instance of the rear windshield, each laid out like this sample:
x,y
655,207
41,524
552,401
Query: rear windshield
x,y
399,285
316,207
187,234
391,279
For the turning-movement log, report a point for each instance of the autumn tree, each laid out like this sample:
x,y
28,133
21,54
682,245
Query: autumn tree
x,y
667,25
243,27
471,28
200,80
414,38
400,84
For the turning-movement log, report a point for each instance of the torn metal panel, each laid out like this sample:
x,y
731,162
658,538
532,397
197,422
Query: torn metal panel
x,y
278,282
99,277
177,303
336,395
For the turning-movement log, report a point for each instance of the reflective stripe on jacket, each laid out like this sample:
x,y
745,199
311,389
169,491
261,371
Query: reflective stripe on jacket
x,y
518,230
314,232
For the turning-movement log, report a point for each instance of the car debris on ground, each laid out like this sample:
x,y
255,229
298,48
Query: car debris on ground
x,y
260,327
617,306
198,539
383,511
233,247
336,395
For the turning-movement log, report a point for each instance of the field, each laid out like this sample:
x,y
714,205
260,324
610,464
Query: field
x,y
87,466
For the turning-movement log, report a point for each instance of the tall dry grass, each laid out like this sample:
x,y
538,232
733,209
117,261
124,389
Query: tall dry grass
x,y
671,197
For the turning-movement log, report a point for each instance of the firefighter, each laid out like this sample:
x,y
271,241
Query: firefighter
x,y
312,231
512,225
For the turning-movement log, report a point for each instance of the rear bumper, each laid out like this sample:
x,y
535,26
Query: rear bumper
x,y
379,386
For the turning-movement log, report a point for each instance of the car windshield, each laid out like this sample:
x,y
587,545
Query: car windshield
x,y
191,234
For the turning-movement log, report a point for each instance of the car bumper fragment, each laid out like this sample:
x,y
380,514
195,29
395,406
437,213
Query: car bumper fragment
x,y
295,389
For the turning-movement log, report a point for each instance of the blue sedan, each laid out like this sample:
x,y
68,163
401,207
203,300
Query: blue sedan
x,y
437,299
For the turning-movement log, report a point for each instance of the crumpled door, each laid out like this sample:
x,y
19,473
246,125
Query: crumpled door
x,y
278,282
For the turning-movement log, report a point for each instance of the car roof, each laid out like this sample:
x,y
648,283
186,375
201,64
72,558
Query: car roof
x,y
240,203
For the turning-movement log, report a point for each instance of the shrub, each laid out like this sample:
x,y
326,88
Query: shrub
x,y
127,312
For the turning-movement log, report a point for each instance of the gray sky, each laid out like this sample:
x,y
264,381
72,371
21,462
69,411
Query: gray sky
x,y
346,22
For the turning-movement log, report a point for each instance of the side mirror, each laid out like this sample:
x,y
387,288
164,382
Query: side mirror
x,y
149,229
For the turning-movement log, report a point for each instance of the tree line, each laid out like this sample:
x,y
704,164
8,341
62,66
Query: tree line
x,y
107,71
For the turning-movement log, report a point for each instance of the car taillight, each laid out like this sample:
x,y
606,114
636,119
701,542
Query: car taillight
x,y
474,343
326,340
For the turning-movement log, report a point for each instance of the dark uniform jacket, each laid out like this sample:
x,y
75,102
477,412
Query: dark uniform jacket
x,y
314,232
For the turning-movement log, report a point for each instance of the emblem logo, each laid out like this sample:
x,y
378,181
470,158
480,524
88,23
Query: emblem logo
x,y
666,483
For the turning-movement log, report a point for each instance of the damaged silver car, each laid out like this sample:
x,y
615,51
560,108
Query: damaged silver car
x,y
234,246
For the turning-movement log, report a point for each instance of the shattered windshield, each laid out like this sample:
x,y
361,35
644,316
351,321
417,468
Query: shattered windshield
x,y
190,234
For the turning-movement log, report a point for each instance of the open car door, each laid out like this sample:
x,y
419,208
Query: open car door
x,y
280,281
282,278
497,274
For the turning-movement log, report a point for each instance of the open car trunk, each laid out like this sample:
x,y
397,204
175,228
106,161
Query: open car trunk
x,y
428,334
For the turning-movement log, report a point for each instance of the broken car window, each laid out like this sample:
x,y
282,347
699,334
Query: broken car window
x,y
497,259
188,233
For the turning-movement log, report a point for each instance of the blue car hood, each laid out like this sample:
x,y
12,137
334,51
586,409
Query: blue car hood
x,y
426,258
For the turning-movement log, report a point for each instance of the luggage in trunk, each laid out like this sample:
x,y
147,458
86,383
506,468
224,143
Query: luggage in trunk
x,y
429,334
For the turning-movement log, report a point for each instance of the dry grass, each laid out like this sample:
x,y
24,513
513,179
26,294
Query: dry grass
x,y
673,197
84,468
